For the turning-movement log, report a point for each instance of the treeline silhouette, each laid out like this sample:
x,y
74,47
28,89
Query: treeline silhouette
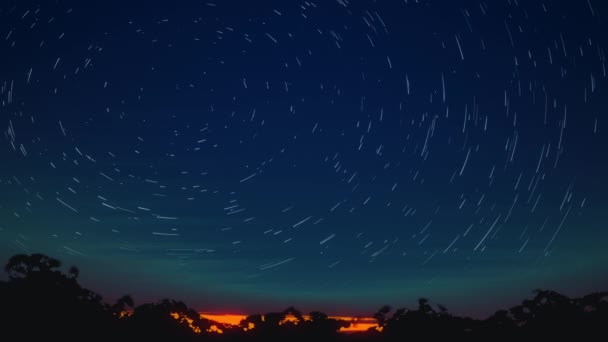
x,y
39,301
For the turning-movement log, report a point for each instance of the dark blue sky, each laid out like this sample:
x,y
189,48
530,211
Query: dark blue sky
x,y
332,155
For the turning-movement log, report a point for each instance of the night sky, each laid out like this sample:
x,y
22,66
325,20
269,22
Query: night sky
x,y
335,155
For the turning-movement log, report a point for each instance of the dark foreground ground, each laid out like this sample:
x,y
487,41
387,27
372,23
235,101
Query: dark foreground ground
x,y
41,302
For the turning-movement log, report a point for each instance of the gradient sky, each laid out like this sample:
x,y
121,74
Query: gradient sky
x,y
332,155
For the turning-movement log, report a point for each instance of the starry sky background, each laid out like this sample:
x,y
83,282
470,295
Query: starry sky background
x,y
333,155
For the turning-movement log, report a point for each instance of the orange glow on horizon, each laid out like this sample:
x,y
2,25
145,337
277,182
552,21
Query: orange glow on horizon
x,y
357,323
224,318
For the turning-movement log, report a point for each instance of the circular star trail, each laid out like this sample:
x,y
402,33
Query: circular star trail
x,y
334,155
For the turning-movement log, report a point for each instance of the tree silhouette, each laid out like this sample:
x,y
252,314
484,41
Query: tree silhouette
x,y
252,321
381,315
22,266
39,301
295,313
321,326
37,288
119,308
166,319
424,307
